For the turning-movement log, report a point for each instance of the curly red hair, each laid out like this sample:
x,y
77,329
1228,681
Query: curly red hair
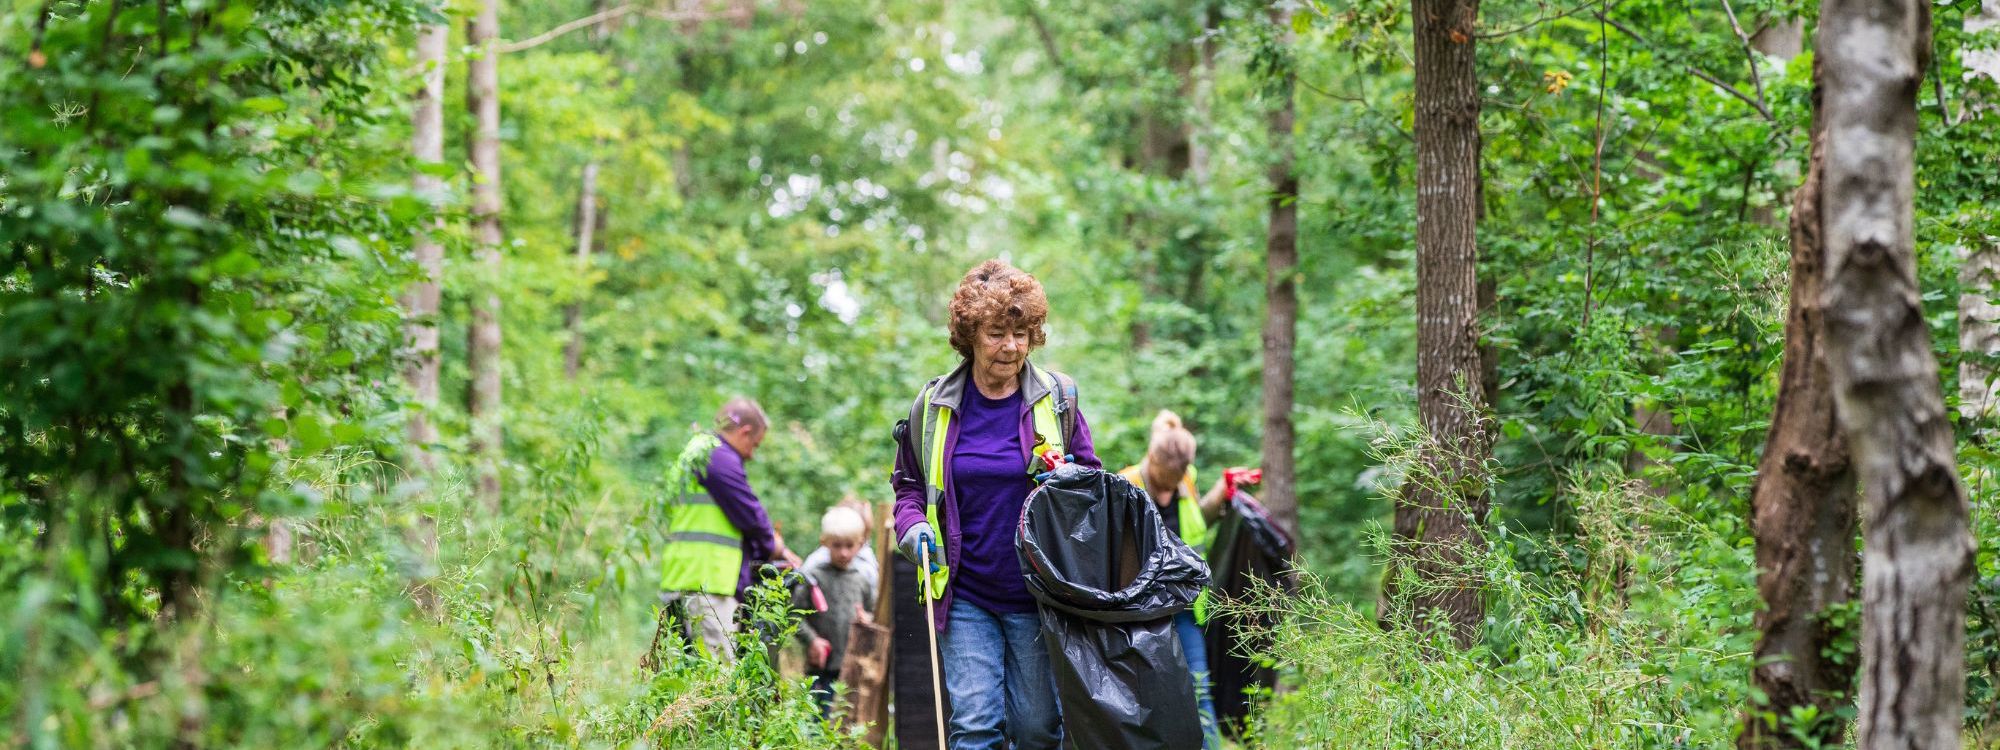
x,y
992,292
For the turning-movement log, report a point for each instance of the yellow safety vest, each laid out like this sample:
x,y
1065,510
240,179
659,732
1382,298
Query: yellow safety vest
x,y
935,422
704,551
1194,528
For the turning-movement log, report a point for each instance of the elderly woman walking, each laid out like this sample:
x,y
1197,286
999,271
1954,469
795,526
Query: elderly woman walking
x,y
968,458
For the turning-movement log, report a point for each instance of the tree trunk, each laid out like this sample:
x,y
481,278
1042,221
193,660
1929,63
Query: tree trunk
x,y
1802,510
1979,277
1437,521
586,234
483,351
421,371
1978,335
1917,548
1281,261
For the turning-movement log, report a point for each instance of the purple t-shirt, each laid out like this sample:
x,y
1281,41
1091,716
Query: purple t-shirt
x,y
991,482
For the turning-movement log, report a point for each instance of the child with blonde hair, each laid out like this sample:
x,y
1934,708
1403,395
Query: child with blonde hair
x,y
847,592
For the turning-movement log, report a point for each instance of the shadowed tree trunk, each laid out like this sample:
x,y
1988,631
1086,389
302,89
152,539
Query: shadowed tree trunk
x,y
1917,551
1281,306
1436,524
483,351
1802,509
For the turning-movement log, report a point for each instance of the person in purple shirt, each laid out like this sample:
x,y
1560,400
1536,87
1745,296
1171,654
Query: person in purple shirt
x,y
708,610
996,667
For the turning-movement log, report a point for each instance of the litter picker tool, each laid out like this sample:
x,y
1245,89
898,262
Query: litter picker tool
x,y
930,621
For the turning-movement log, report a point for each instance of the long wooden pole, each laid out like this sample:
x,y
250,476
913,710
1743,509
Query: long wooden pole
x,y
930,620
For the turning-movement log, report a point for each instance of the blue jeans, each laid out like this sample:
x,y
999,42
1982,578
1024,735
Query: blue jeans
x,y
996,671
1197,661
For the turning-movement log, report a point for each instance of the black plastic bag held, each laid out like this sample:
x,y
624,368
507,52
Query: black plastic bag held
x,y
1109,578
1244,547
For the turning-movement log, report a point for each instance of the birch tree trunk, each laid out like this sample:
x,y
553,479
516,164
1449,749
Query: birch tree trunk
x,y
421,372
1802,509
586,234
483,351
427,144
1436,522
1281,307
1979,276
1917,548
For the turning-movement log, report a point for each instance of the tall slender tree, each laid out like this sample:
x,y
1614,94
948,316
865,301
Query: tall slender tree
x,y
1438,517
1281,294
421,302
1802,509
1917,550
588,218
1979,274
586,233
483,350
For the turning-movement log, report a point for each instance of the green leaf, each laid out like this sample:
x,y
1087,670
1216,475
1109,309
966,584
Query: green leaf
x,y
310,434
264,104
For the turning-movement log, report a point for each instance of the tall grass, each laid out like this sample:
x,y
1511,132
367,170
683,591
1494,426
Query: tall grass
x,y
1641,641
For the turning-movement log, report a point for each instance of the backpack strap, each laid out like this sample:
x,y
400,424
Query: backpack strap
x,y
1065,406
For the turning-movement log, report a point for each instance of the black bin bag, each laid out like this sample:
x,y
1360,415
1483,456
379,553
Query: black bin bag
x,y
1244,547
1109,577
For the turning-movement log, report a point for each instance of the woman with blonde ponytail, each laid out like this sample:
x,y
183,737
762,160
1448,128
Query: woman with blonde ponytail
x,y
1167,474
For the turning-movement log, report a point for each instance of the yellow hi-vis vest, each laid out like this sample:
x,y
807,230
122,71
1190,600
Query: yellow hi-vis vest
x,y
1194,528
704,551
934,420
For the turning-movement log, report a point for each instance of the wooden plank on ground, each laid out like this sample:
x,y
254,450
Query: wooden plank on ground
x,y
865,670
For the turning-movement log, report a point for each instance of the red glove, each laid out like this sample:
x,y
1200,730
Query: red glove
x,y
1239,477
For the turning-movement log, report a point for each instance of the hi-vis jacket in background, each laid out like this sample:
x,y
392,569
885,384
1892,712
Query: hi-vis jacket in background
x,y
716,528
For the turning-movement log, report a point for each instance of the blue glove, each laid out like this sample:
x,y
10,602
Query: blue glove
x,y
1044,476
920,534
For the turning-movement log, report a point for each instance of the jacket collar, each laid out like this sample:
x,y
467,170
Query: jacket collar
x,y
950,391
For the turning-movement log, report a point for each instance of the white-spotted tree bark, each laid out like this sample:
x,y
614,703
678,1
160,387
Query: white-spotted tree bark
x,y
483,350
1281,294
1438,517
1917,548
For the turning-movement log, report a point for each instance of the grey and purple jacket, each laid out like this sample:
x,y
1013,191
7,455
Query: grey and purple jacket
x,y
908,479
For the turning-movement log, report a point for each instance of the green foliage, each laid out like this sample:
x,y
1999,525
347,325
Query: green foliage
x,y
193,273
1645,646
204,217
